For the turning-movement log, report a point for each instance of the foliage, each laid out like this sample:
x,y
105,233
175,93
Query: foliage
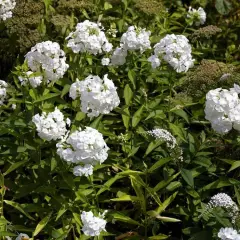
x,y
148,192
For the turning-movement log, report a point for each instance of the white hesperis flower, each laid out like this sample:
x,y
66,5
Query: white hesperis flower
x,y
6,7
3,91
22,236
175,50
92,226
198,16
51,126
135,39
85,170
222,109
88,37
228,234
34,81
98,96
118,57
105,61
48,58
83,146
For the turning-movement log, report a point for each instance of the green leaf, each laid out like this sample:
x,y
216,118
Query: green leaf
x,y
152,145
223,6
96,122
188,177
158,237
61,211
125,198
65,90
234,166
19,208
137,116
132,77
5,233
47,96
166,203
128,94
164,183
159,164
126,118
167,219
177,131
182,114
1,180
118,216
139,192
42,224
107,185
14,167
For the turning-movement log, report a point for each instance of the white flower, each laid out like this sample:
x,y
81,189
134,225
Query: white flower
x,y
197,16
85,170
14,106
98,96
222,109
164,135
155,61
88,37
22,236
225,76
136,39
6,7
50,126
224,201
33,81
48,58
85,147
228,234
105,61
175,50
92,226
3,91
119,56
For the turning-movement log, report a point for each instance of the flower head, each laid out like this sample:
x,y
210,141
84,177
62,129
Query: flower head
x,y
88,37
3,91
84,147
175,50
136,39
98,96
6,7
85,170
228,234
22,236
50,126
197,16
92,226
222,109
48,58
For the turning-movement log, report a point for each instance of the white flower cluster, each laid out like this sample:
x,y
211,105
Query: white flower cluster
x,y
88,37
49,58
136,39
224,201
6,7
175,50
22,236
86,147
92,226
164,135
86,170
223,109
51,126
228,234
3,91
98,96
29,77
198,16
133,39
